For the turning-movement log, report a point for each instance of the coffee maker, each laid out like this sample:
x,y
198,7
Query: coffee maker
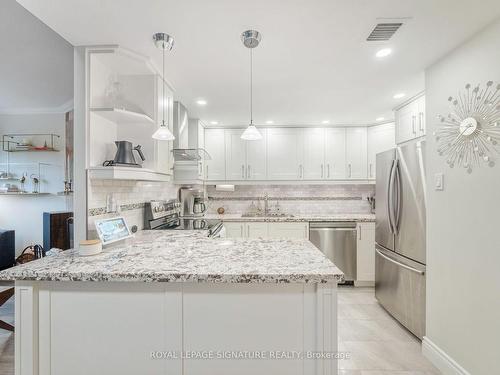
x,y
192,202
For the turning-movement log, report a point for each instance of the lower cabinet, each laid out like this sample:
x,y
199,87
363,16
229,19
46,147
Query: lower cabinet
x,y
365,261
260,229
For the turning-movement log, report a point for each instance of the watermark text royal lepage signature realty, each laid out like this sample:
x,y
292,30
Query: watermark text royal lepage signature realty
x,y
247,355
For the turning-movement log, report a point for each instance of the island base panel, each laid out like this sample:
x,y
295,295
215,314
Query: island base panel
x,y
82,328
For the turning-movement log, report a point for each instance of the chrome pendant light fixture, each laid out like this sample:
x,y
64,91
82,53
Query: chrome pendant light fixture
x,y
251,39
165,42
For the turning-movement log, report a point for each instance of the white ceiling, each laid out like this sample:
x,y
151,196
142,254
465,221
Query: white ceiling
x,y
313,64
36,64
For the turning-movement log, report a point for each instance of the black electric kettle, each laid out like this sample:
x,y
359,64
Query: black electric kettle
x,y
125,155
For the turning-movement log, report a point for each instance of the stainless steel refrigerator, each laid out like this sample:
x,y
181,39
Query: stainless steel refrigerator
x,y
400,235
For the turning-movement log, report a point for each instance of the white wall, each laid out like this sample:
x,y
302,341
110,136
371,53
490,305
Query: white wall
x,y
24,214
463,227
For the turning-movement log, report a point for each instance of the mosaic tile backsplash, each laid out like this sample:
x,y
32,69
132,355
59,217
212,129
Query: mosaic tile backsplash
x,y
295,199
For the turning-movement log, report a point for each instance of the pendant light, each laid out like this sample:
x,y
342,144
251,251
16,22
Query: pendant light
x,y
251,39
165,42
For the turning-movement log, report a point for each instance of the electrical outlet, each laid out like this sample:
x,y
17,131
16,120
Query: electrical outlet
x,y
439,181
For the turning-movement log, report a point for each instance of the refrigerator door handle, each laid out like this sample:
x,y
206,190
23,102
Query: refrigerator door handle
x,y
390,197
397,197
420,272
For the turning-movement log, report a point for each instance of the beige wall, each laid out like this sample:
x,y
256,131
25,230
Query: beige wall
x,y
463,226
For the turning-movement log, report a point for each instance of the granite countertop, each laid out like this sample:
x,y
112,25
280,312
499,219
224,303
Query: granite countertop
x,y
187,256
295,218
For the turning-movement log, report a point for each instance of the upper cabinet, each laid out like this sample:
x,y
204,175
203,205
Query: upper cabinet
x,y
356,153
380,138
215,168
245,160
335,153
314,154
285,154
410,120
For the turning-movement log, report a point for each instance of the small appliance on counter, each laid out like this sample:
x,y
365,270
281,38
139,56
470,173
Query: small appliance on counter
x,y
192,202
124,156
164,215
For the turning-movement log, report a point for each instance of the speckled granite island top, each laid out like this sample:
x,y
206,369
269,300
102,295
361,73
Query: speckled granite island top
x,y
187,256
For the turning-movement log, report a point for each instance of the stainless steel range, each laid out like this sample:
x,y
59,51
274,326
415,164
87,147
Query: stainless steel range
x,y
165,215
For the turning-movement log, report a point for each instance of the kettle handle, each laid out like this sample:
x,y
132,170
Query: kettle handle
x,y
138,149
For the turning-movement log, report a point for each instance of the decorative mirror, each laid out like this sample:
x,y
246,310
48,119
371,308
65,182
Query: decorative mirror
x,y
469,135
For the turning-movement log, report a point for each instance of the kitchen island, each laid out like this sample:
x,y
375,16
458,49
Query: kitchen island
x,y
177,302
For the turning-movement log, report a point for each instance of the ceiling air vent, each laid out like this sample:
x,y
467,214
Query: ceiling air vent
x,y
383,31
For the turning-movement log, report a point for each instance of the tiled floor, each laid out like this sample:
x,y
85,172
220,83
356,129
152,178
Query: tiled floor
x,y
377,344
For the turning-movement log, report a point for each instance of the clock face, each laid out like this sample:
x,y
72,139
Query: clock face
x,y
468,126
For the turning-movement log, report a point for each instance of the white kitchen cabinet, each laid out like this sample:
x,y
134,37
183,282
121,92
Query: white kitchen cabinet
x,y
356,153
297,230
314,154
284,154
365,261
236,163
380,138
234,229
215,168
335,153
245,160
256,229
410,120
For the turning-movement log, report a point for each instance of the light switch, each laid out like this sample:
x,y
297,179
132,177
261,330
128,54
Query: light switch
x,y
439,181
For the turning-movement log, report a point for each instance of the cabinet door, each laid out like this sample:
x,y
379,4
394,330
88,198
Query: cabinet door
x,y
256,230
335,153
356,153
236,168
289,230
406,123
314,154
163,156
215,168
380,138
365,261
257,157
421,116
284,154
234,230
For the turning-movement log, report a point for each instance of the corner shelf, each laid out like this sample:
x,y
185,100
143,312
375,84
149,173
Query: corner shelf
x,y
126,173
122,115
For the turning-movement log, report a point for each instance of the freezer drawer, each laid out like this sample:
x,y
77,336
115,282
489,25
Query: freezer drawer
x,y
400,289
338,242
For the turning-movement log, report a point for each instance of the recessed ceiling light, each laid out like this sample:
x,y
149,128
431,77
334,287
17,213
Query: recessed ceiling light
x,y
214,122
399,95
325,122
380,119
269,122
384,52
201,102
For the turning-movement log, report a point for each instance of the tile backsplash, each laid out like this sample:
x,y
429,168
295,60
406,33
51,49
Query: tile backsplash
x,y
129,197
295,199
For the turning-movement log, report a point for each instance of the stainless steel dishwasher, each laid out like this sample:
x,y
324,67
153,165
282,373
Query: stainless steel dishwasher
x,y
337,240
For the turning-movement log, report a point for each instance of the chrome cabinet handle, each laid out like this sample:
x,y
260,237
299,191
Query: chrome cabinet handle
x,y
328,170
301,171
206,171
350,170
248,172
413,123
322,168
399,263
242,171
421,121
241,230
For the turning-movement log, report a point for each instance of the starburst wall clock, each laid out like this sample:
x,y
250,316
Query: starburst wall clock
x,y
469,135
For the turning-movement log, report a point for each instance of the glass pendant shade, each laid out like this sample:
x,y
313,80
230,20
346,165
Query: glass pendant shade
x,y
251,133
163,133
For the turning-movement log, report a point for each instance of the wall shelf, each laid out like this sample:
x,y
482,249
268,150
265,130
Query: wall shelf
x,y
122,115
18,193
13,142
126,173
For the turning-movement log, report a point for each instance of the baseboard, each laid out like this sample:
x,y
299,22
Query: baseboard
x,y
440,359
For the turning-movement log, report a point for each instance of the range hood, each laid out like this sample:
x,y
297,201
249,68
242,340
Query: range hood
x,y
187,137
